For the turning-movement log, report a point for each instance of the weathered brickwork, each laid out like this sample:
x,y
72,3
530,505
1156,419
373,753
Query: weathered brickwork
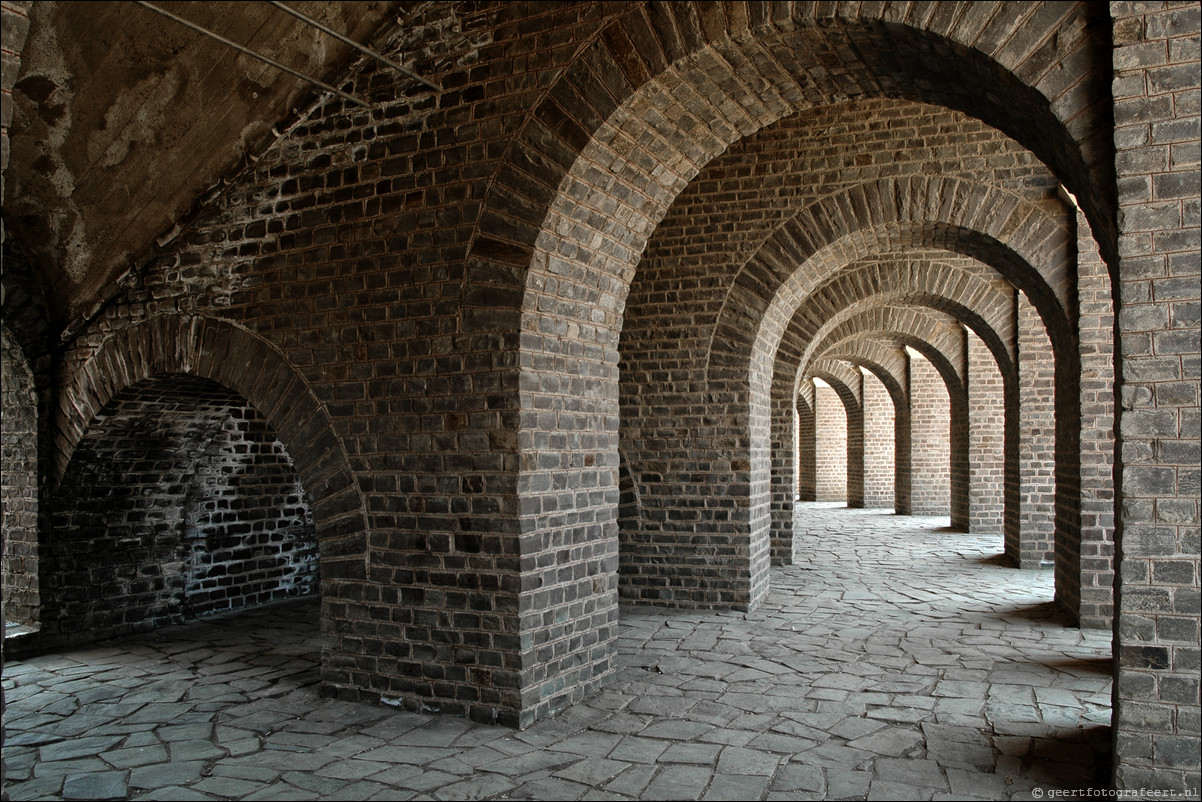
x,y
18,484
879,440
987,435
830,445
883,363
14,21
545,338
807,433
179,501
931,423
1030,537
1094,597
1156,108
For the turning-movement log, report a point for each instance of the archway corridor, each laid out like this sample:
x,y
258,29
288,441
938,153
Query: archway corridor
x,y
537,320
895,659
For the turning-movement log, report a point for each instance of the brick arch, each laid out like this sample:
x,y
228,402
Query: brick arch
x,y
883,361
918,296
881,217
179,501
957,291
1025,245
933,329
602,155
939,339
245,363
790,470
1050,92
872,326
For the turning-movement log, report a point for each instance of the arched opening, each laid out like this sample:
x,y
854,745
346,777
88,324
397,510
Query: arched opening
x,y
179,501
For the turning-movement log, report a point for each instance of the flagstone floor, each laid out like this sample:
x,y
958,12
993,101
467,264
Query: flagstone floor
x,y
894,660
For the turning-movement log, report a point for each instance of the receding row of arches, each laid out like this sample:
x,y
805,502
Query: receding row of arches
x,y
581,365
967,257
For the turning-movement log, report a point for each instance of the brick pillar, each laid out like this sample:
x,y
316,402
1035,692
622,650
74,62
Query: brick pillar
x,y
783,488
1156,710
1095,547
807,467
902,454
986,430
879,436
1037,443
930,456
830,445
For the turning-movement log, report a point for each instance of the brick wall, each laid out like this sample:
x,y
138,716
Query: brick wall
x,y
1157,604
18,484
879,438
1092,596
807,432
830,445
440,282
931,454
179,501
987,433
1030,534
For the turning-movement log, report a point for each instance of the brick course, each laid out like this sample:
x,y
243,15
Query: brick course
x,y
830,445
879,441
179,501
1156,137
930,413
18,484
429,303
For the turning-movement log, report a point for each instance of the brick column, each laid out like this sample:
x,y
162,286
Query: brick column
x,y
855,453
902,453
783,487
1156,711
807,466
830,445
879,437
1095,548
986,437
1032,546
930,483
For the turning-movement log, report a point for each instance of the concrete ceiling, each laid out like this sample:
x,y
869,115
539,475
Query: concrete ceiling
x,y
123,119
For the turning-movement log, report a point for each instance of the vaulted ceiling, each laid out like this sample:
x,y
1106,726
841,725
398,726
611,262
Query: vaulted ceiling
x,y
124,119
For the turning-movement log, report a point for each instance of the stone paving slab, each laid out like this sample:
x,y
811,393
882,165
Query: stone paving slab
x,y
893,660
